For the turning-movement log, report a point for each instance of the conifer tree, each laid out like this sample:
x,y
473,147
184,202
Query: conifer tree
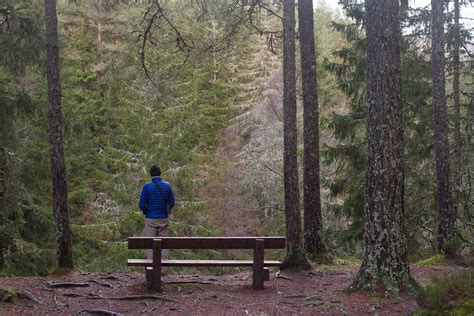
x,y
295,257
385,257
55,136
446,212
457,153
311,171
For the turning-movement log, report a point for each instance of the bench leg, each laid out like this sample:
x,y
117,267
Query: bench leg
x,y
266,274
156,281
258,274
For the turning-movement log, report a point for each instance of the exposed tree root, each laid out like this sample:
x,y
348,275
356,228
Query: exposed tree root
x,y
187,282
131,298
66,284
101,283
98,312
11,295
28,296
282,276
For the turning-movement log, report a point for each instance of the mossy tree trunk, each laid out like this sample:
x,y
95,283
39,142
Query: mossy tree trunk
x,y
311,186
445,207
55,137
385,261
295,257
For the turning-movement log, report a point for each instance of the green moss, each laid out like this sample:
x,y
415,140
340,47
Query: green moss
x,y
434,260
375,298
348,261
8,294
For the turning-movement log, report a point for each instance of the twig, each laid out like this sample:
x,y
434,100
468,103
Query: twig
x,y
263,164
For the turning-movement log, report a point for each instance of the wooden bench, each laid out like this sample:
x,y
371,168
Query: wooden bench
x,y
258,244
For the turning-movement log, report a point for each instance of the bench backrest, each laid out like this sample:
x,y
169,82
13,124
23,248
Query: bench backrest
x,y
206,242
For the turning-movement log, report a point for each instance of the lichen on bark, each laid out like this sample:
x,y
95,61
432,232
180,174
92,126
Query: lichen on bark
x,y
385,259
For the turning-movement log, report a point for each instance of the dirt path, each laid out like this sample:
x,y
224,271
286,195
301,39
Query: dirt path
x,y
306,293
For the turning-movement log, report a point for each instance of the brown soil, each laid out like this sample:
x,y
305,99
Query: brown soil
x,y
306,293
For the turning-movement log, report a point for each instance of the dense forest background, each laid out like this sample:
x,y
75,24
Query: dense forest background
x,y
208,109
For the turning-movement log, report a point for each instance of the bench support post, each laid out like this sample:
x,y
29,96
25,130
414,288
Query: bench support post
x,y
258,271
156,281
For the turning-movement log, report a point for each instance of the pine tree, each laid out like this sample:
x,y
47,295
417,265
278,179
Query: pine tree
x,y
446,212
55,136
311,171
295,257
385,258
457,153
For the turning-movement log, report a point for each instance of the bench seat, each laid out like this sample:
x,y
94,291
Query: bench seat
x,y
201,263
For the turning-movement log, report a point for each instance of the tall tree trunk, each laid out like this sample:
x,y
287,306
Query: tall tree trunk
x,y
457,159
311,186
55,136
446,214
295,257
385,260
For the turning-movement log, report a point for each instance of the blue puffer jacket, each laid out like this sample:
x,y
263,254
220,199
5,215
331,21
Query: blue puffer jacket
x,y
153,201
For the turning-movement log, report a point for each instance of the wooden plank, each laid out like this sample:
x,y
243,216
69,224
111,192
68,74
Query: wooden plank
x,y
207,242
201,263
258,255
156,282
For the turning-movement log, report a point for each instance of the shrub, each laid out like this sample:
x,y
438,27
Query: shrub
x,y
453,293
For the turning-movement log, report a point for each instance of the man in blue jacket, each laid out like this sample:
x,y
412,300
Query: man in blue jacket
x,y
156,202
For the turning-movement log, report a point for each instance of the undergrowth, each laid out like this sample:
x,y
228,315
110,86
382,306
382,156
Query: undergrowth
x,y
453,294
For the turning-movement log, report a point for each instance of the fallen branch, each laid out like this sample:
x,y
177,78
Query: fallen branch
x,y
66,284
131,298
98,312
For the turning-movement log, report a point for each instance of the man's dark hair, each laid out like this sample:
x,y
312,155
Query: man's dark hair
x,y
155,171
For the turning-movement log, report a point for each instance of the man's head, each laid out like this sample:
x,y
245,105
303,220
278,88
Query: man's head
x,y
155,171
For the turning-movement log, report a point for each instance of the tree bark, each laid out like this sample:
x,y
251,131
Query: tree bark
x,y
311,186
55,137
446,214
457,159
295,257
385,260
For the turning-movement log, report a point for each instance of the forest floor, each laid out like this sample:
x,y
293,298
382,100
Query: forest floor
x,y
308,293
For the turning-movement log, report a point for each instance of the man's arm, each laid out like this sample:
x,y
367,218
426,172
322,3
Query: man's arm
x,y
171,198
142,203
